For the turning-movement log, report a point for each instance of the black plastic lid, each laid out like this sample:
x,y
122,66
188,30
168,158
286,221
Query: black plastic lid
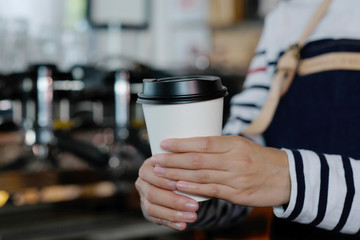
x,y
175,90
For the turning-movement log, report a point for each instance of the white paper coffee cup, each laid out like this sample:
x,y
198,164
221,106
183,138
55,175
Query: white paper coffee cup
x,y
194,110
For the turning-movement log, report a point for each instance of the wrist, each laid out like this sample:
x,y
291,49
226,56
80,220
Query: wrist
x,y
282,181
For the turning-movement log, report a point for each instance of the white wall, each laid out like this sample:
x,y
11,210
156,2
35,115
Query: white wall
x,y
178,28
178,33
38,13
29,32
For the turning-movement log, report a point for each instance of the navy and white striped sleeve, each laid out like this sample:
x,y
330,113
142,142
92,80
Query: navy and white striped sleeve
x,y
325,191
246,105
217,213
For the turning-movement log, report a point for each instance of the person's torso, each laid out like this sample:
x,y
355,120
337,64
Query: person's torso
x,y
320,112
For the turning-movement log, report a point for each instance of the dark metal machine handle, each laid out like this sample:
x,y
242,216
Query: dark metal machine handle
x,y
44,87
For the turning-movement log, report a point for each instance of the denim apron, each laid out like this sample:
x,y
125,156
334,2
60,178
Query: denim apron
x,y
320,112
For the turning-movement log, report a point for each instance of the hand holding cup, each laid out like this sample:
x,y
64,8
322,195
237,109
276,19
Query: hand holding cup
x,y
182,107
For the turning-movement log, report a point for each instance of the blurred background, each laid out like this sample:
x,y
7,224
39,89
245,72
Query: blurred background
x,y
72,137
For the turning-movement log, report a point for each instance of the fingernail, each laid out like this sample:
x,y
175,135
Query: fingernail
x,y
154,159
187,216
180,226
159,170
172,184
182,185
165,144
190,206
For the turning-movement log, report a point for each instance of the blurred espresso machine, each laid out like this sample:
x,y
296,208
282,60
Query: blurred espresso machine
x,y
71,144
72,137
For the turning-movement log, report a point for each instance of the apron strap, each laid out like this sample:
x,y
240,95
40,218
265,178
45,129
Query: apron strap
x,y
330,61
285,72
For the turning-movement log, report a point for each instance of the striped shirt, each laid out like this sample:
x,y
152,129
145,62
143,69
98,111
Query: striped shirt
x,y
325,188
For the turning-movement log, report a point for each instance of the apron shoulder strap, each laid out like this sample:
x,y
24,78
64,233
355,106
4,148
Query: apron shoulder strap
x,y
285,72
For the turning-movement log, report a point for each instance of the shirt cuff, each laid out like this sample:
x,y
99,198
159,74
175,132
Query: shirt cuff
x,y
285,211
